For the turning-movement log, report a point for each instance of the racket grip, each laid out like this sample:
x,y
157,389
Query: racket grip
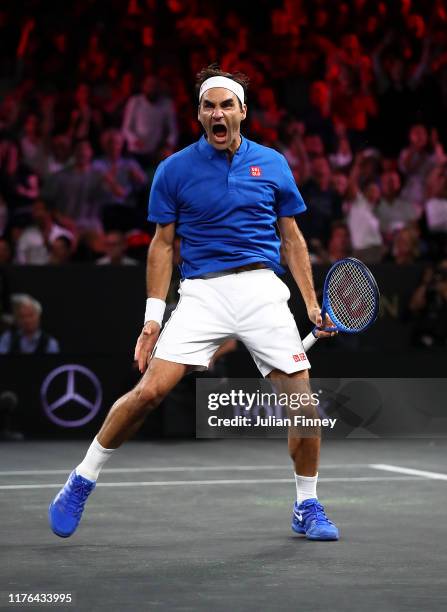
x,y
309,341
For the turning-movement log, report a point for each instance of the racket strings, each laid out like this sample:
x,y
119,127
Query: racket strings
x,y
352,298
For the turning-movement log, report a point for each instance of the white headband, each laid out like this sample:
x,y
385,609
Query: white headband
x,y
221,81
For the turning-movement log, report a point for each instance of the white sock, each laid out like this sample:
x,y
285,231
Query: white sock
x,y
93,461
306,487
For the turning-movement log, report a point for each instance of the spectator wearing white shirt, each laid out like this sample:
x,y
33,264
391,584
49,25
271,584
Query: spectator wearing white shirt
x,y
342,157
393,211
361,219
436,204
150,124
436,214
364,226
33,245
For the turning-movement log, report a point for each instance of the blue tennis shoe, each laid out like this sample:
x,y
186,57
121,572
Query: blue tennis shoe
x,y
309,519
66,509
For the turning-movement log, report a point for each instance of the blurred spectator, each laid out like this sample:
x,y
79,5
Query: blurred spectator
x,y
298,161
318,117
314,146
19,185
340,183
265,117
61,251
59,156
34,242
149,124
353,76
115,248
292,133
362,221
5,252
27,335
138,242
415,162
369,169
342,157
393,211
428,306
339,245
397,80
353,104
122,179
436,205
324,202
9,112
364,226
78,191
32,144
405,247
85,121
117,92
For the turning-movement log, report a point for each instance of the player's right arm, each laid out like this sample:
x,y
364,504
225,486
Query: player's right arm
x,y
158,278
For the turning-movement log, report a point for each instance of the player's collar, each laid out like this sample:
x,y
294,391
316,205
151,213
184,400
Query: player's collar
x,y
209,151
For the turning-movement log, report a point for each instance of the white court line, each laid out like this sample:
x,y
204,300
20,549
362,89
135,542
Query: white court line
x,y
186,483
403,470
195,468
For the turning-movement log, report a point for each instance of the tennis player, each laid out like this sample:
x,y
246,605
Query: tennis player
x,y
225,196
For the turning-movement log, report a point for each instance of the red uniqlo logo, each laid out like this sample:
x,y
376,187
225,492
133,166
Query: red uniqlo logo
x,y
300,357
255,171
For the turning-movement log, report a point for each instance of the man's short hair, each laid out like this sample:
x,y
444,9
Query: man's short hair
x,y
214,70
23,299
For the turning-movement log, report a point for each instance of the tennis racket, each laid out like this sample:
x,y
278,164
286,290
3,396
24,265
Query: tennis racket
x,y
350,298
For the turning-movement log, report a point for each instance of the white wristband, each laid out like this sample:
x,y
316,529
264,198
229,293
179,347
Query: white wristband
x,y
155,310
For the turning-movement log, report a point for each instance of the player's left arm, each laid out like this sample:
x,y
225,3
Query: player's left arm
x,y
297,258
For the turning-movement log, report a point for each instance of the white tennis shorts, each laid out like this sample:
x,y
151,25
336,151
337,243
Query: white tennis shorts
x,y
250,306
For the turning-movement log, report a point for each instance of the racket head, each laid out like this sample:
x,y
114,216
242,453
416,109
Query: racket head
x,y
351,296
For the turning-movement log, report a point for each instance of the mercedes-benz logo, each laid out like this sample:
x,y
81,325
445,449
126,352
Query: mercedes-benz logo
x,y
71,388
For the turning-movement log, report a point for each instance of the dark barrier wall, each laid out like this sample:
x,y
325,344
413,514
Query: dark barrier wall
x,y
96,314
95,309
89,309
67,396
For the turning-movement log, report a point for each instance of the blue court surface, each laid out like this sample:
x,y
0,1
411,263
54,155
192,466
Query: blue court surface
x,y
205,525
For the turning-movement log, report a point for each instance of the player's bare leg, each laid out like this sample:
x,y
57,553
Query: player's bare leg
x,y
304,451
308,517
124,419
129,411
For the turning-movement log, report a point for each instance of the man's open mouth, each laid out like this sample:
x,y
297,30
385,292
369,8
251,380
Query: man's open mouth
x,y
219,130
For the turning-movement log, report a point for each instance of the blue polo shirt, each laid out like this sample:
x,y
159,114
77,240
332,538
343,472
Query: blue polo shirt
x,y
225,213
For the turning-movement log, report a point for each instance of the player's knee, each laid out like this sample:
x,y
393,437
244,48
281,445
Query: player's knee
x,y
148,396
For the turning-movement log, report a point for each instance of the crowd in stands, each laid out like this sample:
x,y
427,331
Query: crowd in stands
x,y
93,97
